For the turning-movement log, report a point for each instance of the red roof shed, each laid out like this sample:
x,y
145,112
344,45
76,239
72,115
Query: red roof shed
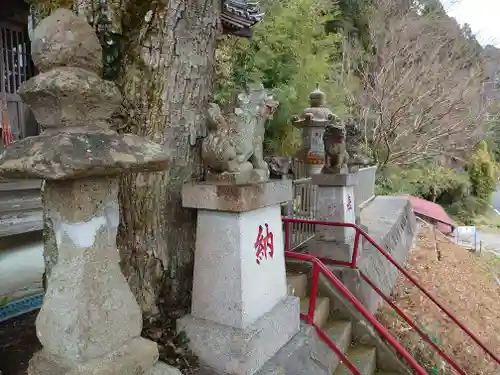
x,y
433,212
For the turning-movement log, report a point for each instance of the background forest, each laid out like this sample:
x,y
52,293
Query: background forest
x,y
421,86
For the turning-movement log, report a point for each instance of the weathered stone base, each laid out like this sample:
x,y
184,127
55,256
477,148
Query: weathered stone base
x,y
139,356
305,353
242,351
238,178
337,179
334,250
229,178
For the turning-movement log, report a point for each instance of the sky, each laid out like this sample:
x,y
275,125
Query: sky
x,y
481,15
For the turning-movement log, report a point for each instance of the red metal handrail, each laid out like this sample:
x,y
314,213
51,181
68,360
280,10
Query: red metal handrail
x,y
410,322
343,359
353,264
309,318
359,232
319,267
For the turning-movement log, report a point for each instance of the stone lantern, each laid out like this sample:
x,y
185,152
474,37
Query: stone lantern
x,y
312,122
90,322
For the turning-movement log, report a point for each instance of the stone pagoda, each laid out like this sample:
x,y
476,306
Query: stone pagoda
x,y
90,322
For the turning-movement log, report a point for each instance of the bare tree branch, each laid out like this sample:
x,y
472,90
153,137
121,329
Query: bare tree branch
x,y
424,90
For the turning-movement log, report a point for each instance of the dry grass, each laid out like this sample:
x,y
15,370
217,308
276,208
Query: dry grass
x,y
464,283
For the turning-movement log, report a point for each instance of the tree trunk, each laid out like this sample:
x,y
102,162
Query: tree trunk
x,y
174,76
165,74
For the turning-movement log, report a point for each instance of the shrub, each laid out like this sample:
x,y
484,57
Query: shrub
x,y
482,172
288,59
435,183
467,209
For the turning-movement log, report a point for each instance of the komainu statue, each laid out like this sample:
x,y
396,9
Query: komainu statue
x,y
336,156
354,144
233,150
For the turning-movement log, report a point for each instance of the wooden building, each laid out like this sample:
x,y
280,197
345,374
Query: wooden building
x,y
20,201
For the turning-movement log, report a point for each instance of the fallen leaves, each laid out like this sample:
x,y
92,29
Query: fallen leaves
x,y
463,282
172,346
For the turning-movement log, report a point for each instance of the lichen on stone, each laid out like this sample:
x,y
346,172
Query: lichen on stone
x,y
74,104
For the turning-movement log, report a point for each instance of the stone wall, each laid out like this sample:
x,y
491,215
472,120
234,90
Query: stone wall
x,y
364,191
390,221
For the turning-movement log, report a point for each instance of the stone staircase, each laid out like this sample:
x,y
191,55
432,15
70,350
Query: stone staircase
x,y
340,330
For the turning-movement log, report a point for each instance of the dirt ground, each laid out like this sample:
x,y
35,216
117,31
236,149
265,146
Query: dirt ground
x,y
463,281
18,342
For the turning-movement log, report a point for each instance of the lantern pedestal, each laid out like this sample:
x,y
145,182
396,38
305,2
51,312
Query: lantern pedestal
x,y
241,314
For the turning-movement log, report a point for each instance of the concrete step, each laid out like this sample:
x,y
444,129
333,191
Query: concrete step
x,y
362,357
322,311
340,332
297,284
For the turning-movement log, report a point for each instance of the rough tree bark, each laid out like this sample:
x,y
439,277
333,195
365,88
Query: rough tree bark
x,y
157,235
165,74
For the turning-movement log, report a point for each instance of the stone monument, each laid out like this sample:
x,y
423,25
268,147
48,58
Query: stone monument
x,y
240,314
90,322
334,142
312,122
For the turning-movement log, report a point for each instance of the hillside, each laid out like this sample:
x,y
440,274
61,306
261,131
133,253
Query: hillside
x,y
464,282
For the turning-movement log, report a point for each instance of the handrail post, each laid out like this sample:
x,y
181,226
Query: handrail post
x,y
287,234
355,251
314,293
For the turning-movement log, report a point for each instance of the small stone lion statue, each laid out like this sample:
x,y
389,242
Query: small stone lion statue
x,y
354,144
232,151
336,156
218,149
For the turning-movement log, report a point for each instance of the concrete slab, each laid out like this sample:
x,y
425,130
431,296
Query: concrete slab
x,y
236,198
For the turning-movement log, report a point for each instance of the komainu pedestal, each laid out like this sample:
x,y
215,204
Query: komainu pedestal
x,y
90,322
335,195
241,314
